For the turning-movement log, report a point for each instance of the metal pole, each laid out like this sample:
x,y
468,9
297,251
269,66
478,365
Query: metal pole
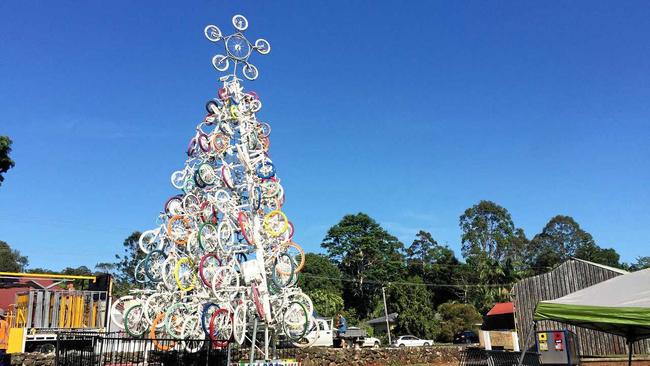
x,y
629,358
525,344
252,355
266,343
383,292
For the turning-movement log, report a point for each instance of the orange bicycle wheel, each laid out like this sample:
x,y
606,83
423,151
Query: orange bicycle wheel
x,y
173,234
152,334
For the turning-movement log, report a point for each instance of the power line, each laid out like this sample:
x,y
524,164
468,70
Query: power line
x,y
406,283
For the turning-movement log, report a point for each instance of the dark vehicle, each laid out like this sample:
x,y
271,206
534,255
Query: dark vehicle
x,y
467,337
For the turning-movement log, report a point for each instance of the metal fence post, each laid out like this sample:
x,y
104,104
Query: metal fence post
x,y
252,355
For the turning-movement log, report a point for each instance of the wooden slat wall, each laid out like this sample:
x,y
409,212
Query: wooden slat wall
x,y
571,276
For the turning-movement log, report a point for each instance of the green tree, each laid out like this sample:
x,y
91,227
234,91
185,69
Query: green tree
x,y
320,273
413,303
454,318
365,253
594,253
5,161
126,263
105,267
78,271
435,264
326,303
11,260
489,232
494,251
559,240
641,263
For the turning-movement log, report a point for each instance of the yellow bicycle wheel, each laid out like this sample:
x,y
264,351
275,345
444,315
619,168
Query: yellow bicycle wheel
x,y
269,227
177,275
234,112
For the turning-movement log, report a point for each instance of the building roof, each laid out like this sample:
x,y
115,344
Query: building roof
x,y
391,319
502,308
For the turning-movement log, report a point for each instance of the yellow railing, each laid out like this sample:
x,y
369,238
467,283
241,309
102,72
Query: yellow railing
x,y
46,275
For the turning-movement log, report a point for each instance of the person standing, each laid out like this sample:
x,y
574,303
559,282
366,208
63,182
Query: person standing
x,y
4,336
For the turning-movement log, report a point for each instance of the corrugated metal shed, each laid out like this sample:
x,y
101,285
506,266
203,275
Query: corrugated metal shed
x,y
570,276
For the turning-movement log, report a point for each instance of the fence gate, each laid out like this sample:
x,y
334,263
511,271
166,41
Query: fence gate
x,y
481,357
97,350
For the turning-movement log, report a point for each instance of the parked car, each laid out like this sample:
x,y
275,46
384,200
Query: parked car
x,y
411,341
371,342
467,337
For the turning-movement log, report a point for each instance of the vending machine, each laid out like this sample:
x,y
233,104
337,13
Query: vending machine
x,y
557,347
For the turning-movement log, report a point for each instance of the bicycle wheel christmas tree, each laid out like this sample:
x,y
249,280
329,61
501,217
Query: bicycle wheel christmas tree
x,y
222,257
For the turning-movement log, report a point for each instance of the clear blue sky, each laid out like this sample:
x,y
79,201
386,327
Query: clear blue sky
x,y
408,111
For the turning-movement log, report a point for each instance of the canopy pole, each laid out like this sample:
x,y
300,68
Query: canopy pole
x,y
629,358
525,343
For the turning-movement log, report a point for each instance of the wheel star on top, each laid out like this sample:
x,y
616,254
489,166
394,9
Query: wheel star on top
x,y
238,48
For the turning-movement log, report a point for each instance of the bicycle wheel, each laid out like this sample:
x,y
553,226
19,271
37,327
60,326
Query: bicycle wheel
x,y
246,227
220,142
153,264
239,324
140,273
302,298
178,228
295,321
191,204
263,46
208,237
226,176
208,213
174,205
265,169
154,305
149,240
192,334
118,310
226,236
220,328
208,267
168,273
258,301
275,223
224,281
283,270
311,336
206,315
250,72
184,274
178,179
156,333
296,253
220,62
212,33
240,22
174,317
204,142
135,322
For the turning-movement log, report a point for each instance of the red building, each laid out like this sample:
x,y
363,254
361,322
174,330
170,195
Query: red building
x,y
10,287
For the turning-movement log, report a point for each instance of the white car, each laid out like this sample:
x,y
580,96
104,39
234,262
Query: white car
x,y
411,341
371,342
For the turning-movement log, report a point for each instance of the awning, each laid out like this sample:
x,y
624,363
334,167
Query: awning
x,y
618,306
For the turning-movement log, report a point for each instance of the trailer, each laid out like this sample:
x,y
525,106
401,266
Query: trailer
x,y
37,316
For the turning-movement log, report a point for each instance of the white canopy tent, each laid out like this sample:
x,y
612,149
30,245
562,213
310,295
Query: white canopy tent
x,y
620,306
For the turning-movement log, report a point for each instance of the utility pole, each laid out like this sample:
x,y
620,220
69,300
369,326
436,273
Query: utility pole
x,y
383,291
